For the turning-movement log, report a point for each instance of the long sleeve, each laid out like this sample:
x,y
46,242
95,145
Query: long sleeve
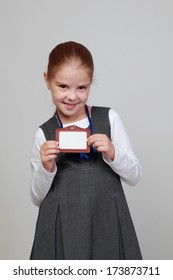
x,y
41,179
125,164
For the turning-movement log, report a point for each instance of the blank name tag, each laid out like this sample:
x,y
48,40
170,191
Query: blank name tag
x,y
73,139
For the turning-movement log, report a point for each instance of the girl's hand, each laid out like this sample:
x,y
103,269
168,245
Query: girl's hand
x,y
102,144
48,153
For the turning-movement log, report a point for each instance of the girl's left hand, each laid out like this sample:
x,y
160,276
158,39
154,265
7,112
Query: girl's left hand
x,y
102,144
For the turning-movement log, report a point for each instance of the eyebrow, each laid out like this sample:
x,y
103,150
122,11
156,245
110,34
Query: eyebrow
x,y
64,83
84,85
60,83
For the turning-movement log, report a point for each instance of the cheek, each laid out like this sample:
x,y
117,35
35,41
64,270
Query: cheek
x,y
56,96
84,97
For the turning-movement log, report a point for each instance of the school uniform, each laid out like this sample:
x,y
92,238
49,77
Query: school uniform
x,y
85,213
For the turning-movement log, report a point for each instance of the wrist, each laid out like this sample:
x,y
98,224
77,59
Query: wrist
x,y
110,155
49,169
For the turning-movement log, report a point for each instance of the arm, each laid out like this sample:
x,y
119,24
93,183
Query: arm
x,y
118,152
42,176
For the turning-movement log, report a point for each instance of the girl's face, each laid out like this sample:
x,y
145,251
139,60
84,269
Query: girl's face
x,y
70,89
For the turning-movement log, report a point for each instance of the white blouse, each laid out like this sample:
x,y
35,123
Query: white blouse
x,y
125,164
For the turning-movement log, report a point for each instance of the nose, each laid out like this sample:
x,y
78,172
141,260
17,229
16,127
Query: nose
x,y
71,95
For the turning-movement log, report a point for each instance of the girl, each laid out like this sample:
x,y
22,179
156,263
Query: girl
x,y
83,213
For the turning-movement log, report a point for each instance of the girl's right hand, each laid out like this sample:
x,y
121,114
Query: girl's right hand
x,y
48,153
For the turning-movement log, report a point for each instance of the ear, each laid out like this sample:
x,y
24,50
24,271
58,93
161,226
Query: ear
x,y
46,79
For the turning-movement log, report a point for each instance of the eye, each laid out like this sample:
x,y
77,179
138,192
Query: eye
x,y
62,86
82,88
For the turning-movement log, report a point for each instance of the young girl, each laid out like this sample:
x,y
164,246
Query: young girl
x,y
83,213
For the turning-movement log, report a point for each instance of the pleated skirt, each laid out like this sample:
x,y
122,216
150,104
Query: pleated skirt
x,y
85,216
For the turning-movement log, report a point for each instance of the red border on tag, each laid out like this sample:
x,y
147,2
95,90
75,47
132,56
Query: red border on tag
x,y
73,128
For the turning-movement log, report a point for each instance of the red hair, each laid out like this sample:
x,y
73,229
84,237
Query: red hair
x,y
70,52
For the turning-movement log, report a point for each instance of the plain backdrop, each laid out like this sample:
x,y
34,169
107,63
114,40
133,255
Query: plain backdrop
x,y
132,46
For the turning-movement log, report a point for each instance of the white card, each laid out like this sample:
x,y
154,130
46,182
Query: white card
x,y
72,140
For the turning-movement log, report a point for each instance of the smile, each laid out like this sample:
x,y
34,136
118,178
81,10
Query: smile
x,y
70,105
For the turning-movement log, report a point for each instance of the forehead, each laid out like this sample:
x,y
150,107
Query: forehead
x,y
72,71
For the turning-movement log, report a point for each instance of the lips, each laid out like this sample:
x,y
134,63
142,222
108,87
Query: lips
x,y
70,106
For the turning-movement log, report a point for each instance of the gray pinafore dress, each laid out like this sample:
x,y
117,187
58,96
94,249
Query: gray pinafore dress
x,y
85,214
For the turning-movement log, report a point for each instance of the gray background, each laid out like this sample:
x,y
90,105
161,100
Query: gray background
x,y
132,46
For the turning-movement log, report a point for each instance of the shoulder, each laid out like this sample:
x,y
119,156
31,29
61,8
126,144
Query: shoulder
x,y
111,113
114,116
99,109
49,128
98,112
51,121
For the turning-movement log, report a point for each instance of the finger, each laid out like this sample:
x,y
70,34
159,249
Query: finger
x,y
98,144
50,152
48,158
49,144
93,139
100,149
96,137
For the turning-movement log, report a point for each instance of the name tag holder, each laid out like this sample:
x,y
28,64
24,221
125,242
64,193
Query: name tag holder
x,y
73,139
